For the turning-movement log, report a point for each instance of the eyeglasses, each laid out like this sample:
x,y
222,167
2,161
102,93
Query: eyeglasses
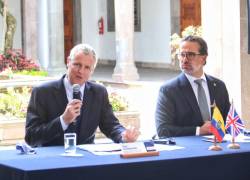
x,y
188,55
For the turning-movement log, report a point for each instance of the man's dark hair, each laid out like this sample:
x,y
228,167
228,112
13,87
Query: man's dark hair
x,y
203,45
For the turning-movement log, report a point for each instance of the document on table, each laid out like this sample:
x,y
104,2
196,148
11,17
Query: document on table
x,y
112,148
240,138
102,149
165,147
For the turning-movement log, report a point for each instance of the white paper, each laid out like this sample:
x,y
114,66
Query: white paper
x,y
72,154
136,147
165,147
102,149
112,148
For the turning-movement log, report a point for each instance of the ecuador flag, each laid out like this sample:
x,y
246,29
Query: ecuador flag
x,y
217,125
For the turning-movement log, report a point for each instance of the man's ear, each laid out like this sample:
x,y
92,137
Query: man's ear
x,y
205,60
68,61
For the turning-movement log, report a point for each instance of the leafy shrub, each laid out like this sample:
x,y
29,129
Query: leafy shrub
x,y
14,102
17,61
32,73
117,101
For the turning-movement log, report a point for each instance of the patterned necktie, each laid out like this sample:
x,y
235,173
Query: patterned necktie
x,y
202,100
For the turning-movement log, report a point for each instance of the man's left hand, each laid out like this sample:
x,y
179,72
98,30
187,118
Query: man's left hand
x,y
130,134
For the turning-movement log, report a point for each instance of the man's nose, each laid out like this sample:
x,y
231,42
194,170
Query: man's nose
x,y
185,58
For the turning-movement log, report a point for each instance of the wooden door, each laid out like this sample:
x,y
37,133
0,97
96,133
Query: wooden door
x,y
190,13
68,27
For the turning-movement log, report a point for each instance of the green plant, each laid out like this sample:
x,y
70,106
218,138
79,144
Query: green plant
x,y
175,39
14,102
116,99
32,73
118,102
17,61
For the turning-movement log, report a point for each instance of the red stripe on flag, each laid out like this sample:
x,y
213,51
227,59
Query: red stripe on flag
x,y
216,133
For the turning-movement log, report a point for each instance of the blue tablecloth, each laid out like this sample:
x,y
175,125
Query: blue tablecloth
x,y
195,161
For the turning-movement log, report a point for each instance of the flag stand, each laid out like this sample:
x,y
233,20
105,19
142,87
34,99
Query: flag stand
x,y
215,147
233,145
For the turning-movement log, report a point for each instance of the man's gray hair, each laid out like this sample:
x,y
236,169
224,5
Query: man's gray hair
x,y
85,48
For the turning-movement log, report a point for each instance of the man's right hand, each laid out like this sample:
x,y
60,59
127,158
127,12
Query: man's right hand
x,y
205,128
73,109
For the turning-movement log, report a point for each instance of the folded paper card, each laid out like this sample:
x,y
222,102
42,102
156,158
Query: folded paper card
x,y
138,149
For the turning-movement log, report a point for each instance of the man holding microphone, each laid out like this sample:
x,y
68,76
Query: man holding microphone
x,y
53,109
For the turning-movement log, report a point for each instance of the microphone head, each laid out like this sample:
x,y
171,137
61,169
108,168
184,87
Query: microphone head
x,y
76,91
76,87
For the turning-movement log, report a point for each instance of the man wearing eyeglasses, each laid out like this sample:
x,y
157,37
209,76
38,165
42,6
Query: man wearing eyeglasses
x,y
53,110
184,104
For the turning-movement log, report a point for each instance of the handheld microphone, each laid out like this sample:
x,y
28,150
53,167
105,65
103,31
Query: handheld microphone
x,y
76,91
76,95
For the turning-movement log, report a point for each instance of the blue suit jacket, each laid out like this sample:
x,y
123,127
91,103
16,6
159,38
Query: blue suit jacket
x,y
177,110
48,102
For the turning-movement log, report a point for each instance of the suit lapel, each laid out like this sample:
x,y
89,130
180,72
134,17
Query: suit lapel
x,y
188,92
87,99
211,87
60,94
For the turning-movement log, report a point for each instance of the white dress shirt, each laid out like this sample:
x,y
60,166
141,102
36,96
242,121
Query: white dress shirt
x,y
194,85
69,92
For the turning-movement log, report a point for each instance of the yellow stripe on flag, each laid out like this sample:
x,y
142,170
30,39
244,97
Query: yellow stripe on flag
x,y
218,117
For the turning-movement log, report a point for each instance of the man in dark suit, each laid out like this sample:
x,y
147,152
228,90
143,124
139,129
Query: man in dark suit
x,y
178,110
52,111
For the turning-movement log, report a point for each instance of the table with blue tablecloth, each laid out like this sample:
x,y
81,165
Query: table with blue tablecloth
x,y
194,161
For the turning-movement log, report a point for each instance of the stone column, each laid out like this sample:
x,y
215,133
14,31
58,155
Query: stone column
x,y
51,36
226,33
30,9
124,23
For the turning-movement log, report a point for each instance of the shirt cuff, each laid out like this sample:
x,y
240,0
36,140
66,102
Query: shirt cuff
x,y
64,125
197,133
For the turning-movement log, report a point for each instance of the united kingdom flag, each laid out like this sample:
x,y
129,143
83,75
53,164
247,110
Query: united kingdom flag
x,y
234,125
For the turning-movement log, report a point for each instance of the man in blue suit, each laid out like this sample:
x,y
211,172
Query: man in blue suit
x,y
52,111
178,112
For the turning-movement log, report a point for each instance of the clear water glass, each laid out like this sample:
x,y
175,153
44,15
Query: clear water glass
x,y
70,143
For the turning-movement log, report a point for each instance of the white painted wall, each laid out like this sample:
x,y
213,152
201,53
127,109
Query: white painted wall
x,y
151,44
14,7
224,60
89,23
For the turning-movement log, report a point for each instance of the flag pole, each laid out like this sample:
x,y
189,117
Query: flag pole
x,y
233,145
215,146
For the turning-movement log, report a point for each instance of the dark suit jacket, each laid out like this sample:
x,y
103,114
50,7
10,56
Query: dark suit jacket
x,y
48,102
177,110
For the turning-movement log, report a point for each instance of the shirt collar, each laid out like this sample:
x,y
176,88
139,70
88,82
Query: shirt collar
x,y
69,88
192,78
